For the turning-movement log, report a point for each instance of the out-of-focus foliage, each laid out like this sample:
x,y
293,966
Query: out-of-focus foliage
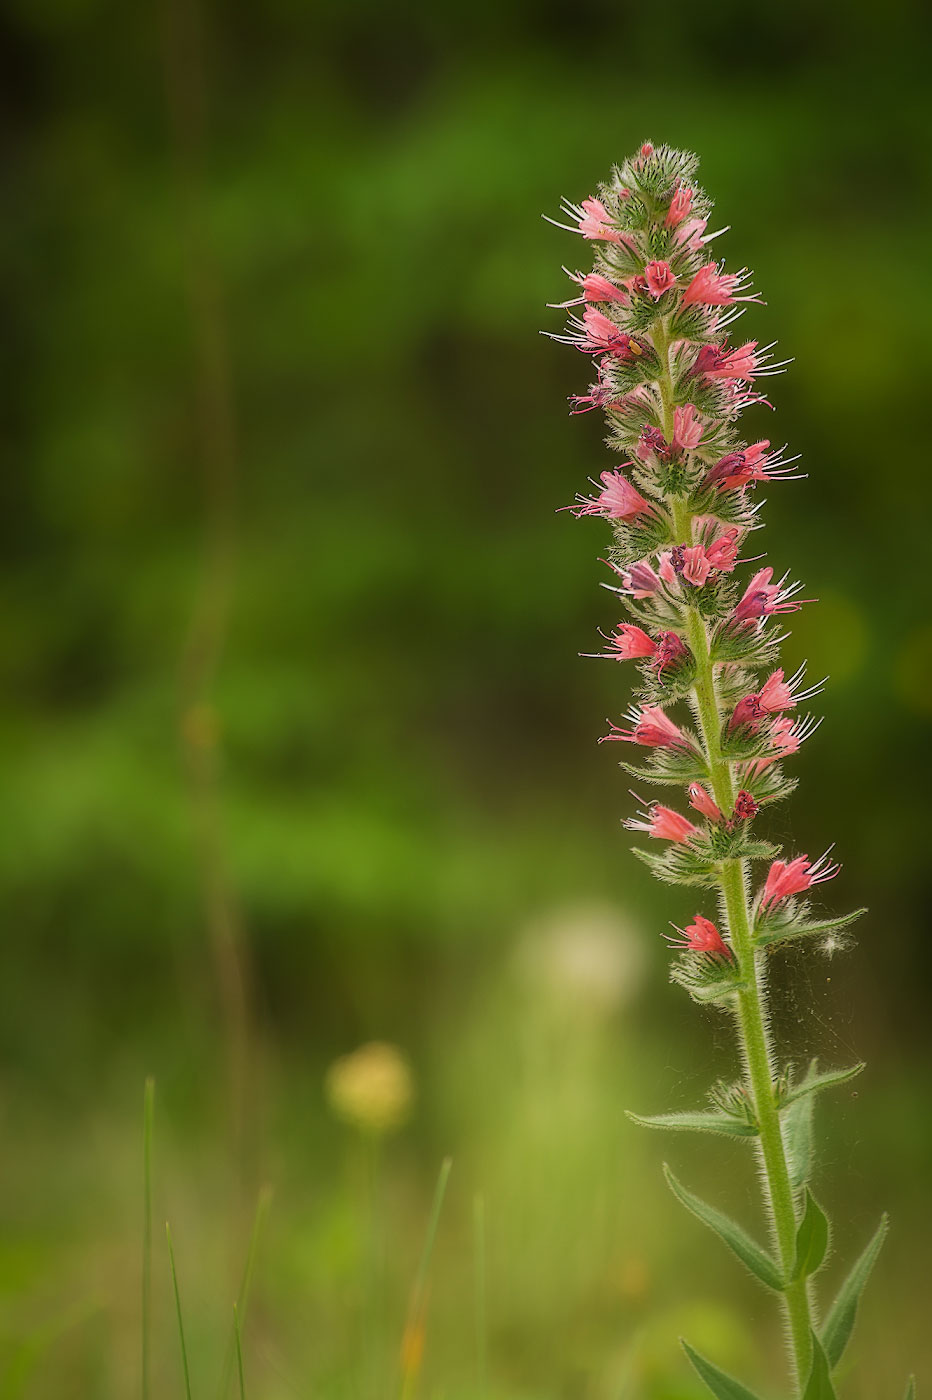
x,y
418,830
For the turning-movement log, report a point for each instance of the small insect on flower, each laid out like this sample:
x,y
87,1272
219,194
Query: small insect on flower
x,y
701,936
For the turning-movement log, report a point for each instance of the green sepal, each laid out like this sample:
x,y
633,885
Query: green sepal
x,y
679,865
707,978
838,1326
819,1385
722,1386
752,1256
815,1083
698,1122
811,1239
670,766
796,1124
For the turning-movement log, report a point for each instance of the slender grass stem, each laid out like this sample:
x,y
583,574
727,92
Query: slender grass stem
x,y
239,1353
184,1349
482,1321
148,1112
242,1298
413,1343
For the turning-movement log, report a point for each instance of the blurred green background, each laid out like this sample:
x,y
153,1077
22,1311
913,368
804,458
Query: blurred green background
x,y
290,682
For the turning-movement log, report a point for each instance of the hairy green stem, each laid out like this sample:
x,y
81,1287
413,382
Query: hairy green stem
x,y
751,1009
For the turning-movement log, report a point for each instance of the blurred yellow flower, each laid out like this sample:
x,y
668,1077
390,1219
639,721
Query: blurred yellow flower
x,y
372,1088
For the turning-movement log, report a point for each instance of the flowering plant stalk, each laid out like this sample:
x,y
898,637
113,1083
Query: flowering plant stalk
x,y
655,315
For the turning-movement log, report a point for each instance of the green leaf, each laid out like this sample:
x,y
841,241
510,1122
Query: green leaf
x,y
797,1139
723,1386
819,1385
910,1389
811,1239
698,1122
781,927
839,1324
814,1082
757,1260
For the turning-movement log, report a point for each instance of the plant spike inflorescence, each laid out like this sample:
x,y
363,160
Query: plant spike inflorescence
x,y
655,314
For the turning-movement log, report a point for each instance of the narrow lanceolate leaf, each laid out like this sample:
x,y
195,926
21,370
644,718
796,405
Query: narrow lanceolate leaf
x,y
910,1389
815,1082
797,1138
784,930
699,1122
839,1324
723,1386
819,1385
752,1256
811,1239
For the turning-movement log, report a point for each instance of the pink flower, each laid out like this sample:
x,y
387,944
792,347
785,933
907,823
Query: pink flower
x,y
691,233
659,277
617,501
687,427
670,652
593,217
662,822
761,598
776,694
710,287
680,205
696,566
631,642
747,714
652,443
713,287
701,936
598,288
700,800
785,738
800,874
597,332
650,727
717,362
665,565
722,554
745,807
736,469
640,580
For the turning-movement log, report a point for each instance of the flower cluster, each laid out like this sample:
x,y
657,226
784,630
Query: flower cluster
x,y
655,317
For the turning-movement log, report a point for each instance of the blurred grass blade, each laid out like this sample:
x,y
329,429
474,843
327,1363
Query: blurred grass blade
x,y
148,1113
482,1351
839,1324
747,1250
722,1386
910,1389
258,1225
239,1353
184,1350
819,1385
412,1345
